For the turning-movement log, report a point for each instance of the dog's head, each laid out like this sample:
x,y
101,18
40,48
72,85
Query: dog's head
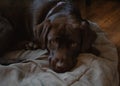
x,y
64,42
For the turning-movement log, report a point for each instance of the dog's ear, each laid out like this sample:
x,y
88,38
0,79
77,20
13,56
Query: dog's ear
x,y
87,36
40,33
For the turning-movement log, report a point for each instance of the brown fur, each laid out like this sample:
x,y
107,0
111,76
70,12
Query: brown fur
x,y
56,27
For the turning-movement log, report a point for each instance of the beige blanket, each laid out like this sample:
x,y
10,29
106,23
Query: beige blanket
x,y
89,71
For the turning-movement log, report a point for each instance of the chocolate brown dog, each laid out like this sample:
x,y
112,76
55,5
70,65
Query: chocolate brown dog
x,y
53,25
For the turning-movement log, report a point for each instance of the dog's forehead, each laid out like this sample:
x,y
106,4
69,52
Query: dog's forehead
x,y
61,31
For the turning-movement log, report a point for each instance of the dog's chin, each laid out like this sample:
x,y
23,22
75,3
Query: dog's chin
x,y
62,70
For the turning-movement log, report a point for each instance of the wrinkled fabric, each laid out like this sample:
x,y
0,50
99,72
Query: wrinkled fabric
x,y
90,70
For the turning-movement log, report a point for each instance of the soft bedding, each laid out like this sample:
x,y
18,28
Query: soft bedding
x,y
90,70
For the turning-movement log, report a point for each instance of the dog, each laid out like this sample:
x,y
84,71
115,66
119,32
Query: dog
x,y
53,25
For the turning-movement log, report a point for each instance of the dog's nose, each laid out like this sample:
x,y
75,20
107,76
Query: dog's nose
x,y
59,65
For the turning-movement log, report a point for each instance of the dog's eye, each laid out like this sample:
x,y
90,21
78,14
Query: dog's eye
x,y
53,44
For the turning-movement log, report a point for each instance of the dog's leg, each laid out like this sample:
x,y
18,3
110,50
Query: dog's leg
x,y
4,61
6,35
6,41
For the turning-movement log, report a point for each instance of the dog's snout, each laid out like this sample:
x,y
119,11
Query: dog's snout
x,y
61,62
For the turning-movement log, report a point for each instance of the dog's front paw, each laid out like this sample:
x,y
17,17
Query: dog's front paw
x,y
31,46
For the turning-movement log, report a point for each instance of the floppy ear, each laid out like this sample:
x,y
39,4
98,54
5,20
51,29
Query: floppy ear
x,y
41,32
88,37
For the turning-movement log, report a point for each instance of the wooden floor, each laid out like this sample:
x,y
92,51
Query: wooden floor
x,y
107,15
